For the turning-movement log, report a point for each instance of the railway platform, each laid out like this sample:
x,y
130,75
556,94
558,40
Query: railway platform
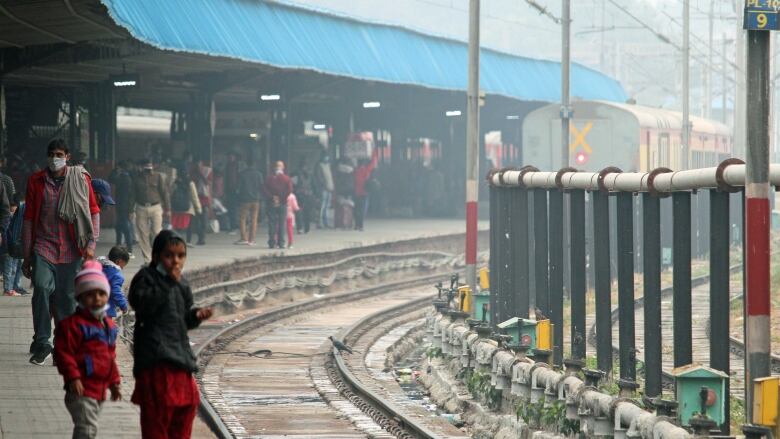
x,y
31,397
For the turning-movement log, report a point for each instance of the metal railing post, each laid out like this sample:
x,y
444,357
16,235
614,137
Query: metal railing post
x,y
651,266
719,290
507,262
521,244
602,280
577,270
494,253
625,258
556,272
681,282
540,252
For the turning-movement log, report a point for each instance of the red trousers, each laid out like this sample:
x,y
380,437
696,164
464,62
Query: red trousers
x,y
169,402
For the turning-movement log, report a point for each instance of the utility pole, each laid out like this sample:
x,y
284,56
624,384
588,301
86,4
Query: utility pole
x,y
472,149
603,24
708,75
686,83
565,70
739,78
724,96
757,208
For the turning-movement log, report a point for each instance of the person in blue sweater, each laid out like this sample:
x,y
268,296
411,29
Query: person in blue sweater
x,y
117,259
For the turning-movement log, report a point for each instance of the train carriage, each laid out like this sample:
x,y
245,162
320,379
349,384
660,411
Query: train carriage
x,y
632,137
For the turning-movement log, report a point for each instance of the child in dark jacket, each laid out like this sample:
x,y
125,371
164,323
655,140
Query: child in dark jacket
x,y
163,360
85,352
117,259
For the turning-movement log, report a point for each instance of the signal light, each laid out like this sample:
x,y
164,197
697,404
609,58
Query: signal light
x,y
581,158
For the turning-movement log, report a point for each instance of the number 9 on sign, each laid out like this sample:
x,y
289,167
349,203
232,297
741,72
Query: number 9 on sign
x,y
761,20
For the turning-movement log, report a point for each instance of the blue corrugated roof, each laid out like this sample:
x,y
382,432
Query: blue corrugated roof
x,y
293,38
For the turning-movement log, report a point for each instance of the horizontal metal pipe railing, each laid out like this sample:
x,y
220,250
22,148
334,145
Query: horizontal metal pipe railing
x,y
729,174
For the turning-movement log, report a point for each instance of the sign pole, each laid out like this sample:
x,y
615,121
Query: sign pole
x,y
472,149
758,19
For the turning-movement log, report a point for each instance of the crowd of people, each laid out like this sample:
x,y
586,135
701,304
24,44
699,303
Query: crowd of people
x,y
50,231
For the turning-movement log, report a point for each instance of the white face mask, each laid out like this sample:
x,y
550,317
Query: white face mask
x,y
99,313
278,171
56,163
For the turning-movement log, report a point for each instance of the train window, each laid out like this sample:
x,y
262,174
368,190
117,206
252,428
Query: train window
x,y
663,148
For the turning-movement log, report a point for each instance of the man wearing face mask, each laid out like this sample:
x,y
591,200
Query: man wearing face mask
x,y
61,227
277,188
152,203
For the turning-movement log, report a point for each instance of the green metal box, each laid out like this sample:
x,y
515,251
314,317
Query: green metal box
x,y
689,381
482,306
523,331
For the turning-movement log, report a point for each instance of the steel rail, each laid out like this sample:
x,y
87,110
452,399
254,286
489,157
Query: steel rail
x,y
729,175
206,349
390,409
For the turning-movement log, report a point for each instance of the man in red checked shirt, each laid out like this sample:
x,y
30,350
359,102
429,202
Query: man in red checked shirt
x,y
56,238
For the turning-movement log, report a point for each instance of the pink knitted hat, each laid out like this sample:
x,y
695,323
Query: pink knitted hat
x,y
91,278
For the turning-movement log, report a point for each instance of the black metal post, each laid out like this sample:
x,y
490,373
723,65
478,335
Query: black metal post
x,y
602,280
556,272
625,259
681,253
651,242
540,252
494,252
577,270
521,242
505,298
719,290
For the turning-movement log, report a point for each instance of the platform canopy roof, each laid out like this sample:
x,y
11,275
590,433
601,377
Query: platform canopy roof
x,y
293,38
237,48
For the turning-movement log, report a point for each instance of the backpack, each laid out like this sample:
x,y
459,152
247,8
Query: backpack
x,y
180,198
14,234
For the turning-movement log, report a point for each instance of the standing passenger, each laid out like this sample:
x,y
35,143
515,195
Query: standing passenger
x,y
250,189
123,186
184,203
163,359
152,202
56,236
362,174
203,178
292,208
277,188
324,181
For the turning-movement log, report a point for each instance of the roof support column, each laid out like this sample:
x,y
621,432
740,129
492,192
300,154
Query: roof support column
x,y
280,134
106,122
202,117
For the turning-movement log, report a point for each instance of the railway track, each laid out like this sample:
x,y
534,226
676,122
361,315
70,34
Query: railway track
x,y
288,393
377,391
700,334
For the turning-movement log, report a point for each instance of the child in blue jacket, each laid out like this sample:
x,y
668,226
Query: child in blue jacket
x,y
112,267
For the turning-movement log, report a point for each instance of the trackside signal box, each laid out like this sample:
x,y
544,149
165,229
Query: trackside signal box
x,y
691,382
464,298
484,279
766,409
535,334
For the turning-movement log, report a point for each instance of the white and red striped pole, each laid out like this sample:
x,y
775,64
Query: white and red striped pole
x,y
472,149
757,214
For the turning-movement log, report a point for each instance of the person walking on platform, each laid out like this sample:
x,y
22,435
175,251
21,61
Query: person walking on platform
x,y
362,174
203,176
61,227
164,363
250,190
185,203
232,189
152,203
323,178
123,186
277,188
85,352
304,192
